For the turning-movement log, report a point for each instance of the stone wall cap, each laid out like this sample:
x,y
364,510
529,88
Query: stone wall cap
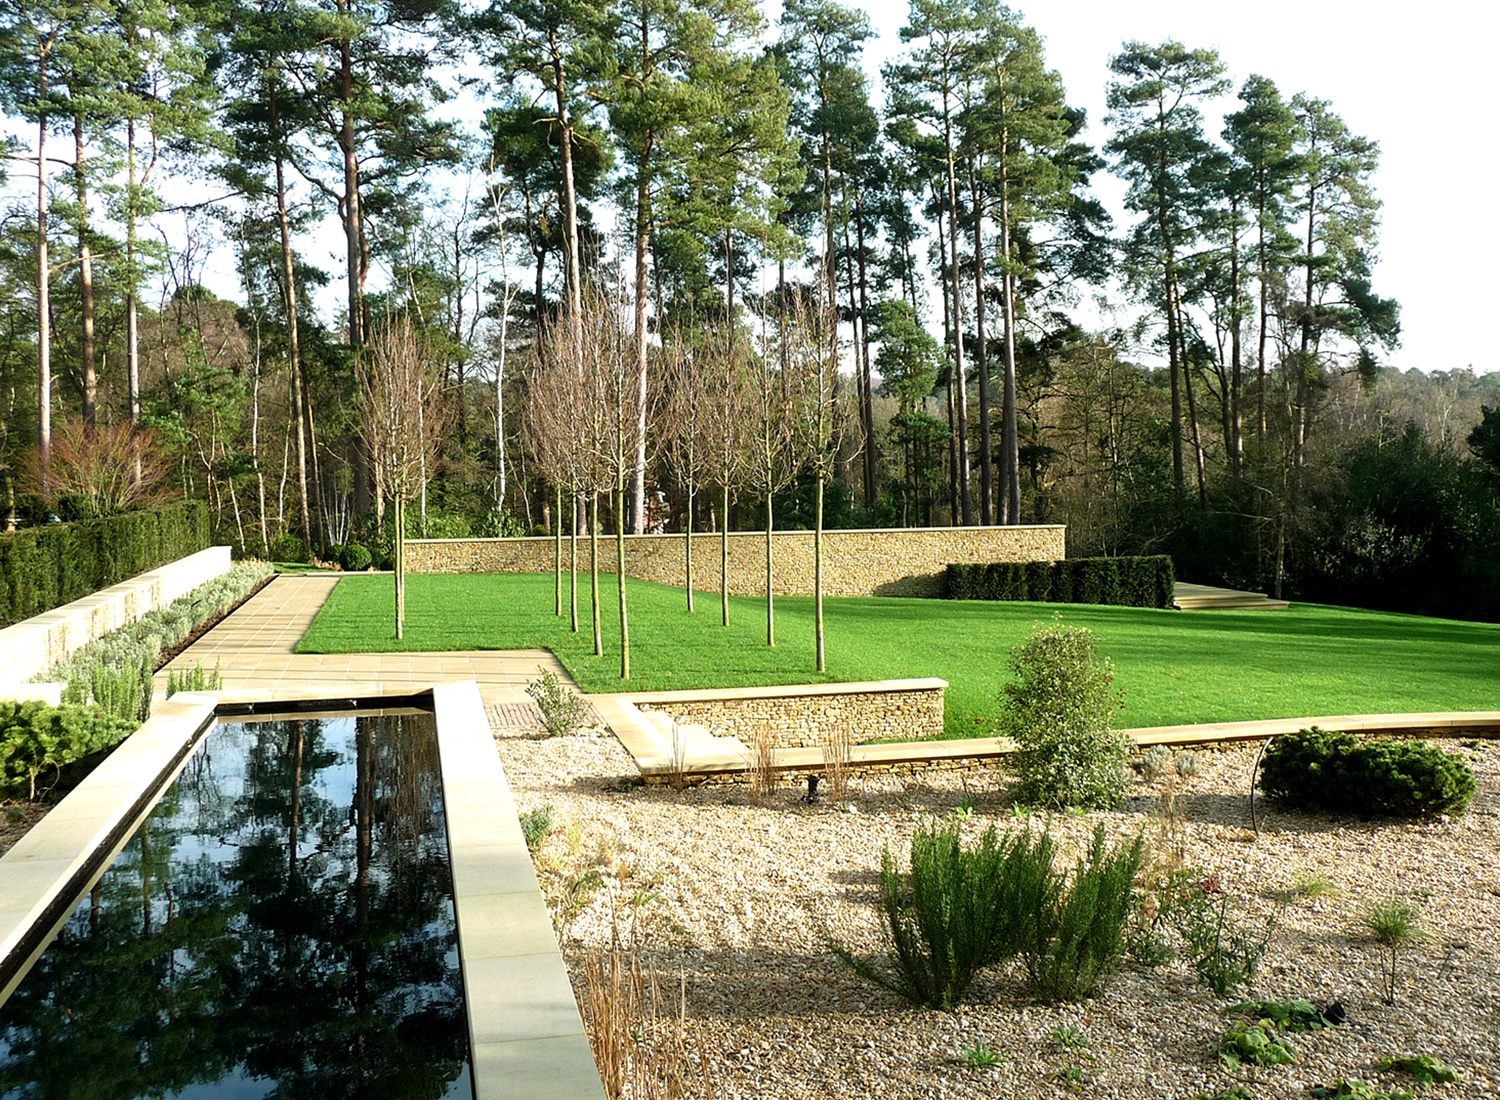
x,y
779,691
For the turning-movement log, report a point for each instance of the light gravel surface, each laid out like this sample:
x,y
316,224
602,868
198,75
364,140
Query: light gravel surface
x,y
739,902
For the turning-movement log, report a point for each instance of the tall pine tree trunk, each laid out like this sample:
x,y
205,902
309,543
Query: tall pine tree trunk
x,y
43,295
981,360
960,394
90,351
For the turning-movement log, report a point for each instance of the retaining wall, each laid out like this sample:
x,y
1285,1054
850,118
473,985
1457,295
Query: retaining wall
x,y
878,562
38,643
804,716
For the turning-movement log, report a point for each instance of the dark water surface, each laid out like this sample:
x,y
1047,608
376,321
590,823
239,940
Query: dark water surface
x,y
281,926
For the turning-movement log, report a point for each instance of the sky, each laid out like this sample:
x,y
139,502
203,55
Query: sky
x,y
1421,80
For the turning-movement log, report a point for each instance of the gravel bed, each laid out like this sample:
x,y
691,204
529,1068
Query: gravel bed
x,y
736,904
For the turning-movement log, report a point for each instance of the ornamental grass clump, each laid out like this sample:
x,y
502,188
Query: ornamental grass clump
x,y
1058,709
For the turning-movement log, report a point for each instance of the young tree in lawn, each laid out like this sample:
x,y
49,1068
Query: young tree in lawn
x,y
684,398
724,362
608,406
404,418
817,426
774,455
554,428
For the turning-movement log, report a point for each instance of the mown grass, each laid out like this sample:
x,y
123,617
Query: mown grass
x,y
1171,667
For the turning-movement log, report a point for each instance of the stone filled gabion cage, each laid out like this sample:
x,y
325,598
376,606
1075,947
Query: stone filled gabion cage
x,y
877,562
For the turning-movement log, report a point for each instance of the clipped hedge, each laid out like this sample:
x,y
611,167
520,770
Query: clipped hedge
x,y
46,567
1317,769
1121,582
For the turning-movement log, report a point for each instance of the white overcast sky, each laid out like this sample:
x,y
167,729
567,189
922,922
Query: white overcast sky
x,y
1421,79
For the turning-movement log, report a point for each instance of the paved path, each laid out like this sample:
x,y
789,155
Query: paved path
x,y
253,649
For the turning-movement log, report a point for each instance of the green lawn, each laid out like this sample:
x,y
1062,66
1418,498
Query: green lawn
x,y
1172,667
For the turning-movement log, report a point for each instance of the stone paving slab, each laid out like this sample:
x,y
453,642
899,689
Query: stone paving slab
x,y
254,649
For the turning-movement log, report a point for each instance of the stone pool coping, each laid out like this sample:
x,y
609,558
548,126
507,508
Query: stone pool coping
x,y
526,1036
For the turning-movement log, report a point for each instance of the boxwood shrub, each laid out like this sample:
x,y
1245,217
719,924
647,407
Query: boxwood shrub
x,y
1384,777
45,567
1123,582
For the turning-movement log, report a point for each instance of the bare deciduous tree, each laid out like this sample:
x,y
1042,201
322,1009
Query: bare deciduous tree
x,y
404,418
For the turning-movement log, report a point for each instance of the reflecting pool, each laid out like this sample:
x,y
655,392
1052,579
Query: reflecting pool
x,y
282,925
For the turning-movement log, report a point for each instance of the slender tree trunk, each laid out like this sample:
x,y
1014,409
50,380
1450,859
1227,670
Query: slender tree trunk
x,y
90,363
642,294
400,562
724,553
770,577
818,575
981,361
573,563
1304,359
557,554
594,575
1260,353
620,567
687,544
953,506
294,346
1010,426
572,262
43,298
1236,356
132,285
867,408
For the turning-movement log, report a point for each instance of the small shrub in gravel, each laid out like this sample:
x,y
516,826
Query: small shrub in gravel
x,y
1255,1043
1287,1015
1078,939
536,824
563,709
1393,923
1352,1088
944,920
1422,1068
1057,710
1316,769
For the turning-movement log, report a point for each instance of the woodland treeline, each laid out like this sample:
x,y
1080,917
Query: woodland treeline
x,y
939,320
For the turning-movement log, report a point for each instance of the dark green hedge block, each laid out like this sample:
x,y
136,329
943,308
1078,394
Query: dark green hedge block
x,y
45,567
1124,582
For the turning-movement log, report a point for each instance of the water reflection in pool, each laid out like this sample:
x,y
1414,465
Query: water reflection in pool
x,y
281,926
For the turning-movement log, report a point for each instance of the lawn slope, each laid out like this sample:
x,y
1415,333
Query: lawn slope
x,y
1171,667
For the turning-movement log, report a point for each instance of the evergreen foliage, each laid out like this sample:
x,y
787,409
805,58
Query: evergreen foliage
x,y
1317,769
1058,710
1120,582
48,566
38,741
